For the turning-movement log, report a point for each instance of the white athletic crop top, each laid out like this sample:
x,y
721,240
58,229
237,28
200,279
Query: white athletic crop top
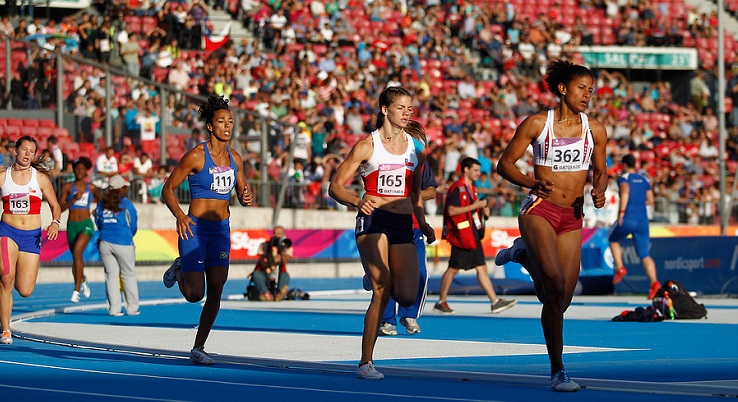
x,y
389,175
563,154
21,199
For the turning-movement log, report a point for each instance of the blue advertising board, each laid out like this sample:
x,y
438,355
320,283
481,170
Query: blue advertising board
x,y
706,264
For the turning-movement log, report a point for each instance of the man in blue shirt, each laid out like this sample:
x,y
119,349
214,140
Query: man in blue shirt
x,y
635,195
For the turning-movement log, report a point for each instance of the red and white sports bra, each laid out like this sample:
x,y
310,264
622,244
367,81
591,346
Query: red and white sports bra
x,y
563,154
21,199
389,175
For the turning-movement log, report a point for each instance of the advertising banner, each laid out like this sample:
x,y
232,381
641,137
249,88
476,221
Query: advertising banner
x,y
695,256
702,264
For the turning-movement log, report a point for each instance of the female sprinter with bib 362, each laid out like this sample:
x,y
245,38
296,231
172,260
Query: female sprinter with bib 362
x,y
564,142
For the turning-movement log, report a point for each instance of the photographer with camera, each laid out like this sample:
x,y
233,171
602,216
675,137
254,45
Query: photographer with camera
x,y
270,276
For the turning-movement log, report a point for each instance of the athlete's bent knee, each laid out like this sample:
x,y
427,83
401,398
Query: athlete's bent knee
x,y
194,297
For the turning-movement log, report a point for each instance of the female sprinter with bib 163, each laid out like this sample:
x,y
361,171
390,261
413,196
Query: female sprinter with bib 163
x,y
389,161
22,188
564,143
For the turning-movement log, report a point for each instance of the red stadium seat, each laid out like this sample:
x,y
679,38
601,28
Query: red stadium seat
x,y
61,132
135,23
607,37
44,132
13,132
148,24
160,74
46,123
294,47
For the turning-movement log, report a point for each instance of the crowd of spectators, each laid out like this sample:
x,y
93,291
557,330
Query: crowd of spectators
x,y
317,68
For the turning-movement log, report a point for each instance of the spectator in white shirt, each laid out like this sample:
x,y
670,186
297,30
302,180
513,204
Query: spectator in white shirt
x,y
143,166
106,166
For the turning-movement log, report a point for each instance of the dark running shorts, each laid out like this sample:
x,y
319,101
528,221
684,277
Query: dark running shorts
x,y
397,227
465,259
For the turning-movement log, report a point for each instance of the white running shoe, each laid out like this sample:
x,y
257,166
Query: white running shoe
x,y
367,372
84,288
170,278
387,329
75,297
7,338
510,254
560,382
411,325
198,356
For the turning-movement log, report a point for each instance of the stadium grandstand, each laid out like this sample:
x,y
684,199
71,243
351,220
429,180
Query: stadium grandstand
x,y
303,78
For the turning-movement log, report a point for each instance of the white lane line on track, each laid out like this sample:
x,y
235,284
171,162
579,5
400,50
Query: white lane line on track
x,y
96,394
295,346
346,393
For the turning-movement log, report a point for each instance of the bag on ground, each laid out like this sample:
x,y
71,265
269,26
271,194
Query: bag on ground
x,y
674,302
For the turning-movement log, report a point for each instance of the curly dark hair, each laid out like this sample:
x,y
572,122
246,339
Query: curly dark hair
x,y
563,72
209,107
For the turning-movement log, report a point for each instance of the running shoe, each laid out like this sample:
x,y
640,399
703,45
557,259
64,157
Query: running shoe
x,y
654,288
510,254
560,382
619,274
170,278
7,338
84,288
411,325
443,308
387,329
366,282
501,305
75,297
116,314
367,372
198,356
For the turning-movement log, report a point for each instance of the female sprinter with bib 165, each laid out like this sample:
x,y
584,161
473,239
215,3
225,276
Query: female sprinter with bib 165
x,y
389,161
